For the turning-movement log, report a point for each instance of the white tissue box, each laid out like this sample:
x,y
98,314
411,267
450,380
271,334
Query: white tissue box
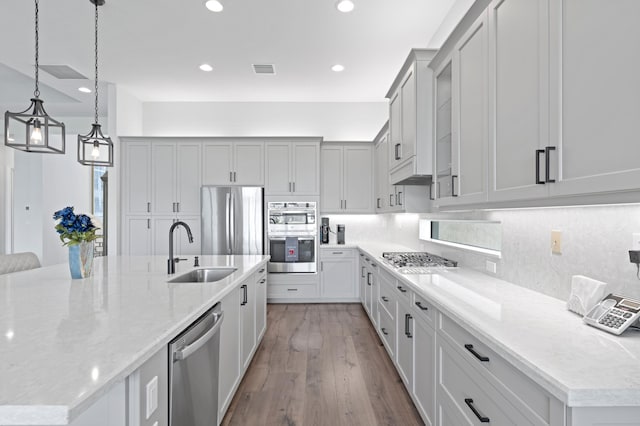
x,y
585,293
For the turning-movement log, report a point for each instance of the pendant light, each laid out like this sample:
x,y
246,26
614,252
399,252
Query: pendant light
x,y
94,148
32,130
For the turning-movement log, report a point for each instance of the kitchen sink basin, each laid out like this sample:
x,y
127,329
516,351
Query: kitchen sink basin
x,y
204,275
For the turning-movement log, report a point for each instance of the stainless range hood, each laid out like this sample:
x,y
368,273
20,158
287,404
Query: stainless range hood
x,y
411,121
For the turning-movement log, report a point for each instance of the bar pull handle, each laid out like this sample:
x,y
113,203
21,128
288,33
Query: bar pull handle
x,y
539,152
261,271
321,266
384,299
384,331
431,191
262,281
336,252
292,289
421,306
369,275
407,331
345,204
235,178
230,176
547,164
148,207
178,207
362,276
187,351
399,198
391,204
397,151
453,185
480,417
476,354
148,223
402,289
294,187
378,203
244,294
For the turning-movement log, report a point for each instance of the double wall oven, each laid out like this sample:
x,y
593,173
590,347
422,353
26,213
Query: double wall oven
x,y
292,237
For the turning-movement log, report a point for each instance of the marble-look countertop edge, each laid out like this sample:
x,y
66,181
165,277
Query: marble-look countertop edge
x,y
570,397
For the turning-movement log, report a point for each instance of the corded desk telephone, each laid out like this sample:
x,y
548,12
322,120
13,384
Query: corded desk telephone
x,y
614,314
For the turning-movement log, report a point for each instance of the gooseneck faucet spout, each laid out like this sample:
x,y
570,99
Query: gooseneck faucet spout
x,y
171,264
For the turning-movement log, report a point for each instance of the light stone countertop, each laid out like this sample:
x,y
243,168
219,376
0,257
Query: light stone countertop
x,y
65,342
580,365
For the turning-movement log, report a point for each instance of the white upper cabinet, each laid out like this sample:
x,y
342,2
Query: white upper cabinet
x,y
347,178
411,120
292,168
466,181
188,175
136,180
233,163
595,87
519,61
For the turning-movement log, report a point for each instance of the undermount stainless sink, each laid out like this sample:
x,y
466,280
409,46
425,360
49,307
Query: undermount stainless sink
x,y
204,275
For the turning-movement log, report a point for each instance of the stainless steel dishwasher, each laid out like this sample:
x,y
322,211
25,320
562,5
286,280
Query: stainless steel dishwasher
x,y
193,372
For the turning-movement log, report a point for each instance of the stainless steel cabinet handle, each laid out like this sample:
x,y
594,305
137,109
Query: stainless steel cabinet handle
x,y
187,351
244,295
407,331
480,417
539,152
547,164
476,354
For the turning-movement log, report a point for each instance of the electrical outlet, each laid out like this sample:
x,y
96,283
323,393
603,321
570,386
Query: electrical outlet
x,y
556,242
635,241
634,256
491,266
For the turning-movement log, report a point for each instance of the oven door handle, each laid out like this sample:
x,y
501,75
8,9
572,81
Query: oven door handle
x,y
299,238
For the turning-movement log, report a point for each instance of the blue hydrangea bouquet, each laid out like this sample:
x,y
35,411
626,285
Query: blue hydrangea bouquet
x,y
74,228
78,232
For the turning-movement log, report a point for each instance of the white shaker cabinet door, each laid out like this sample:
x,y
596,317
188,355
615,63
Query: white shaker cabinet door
x,y
138,232
137,177
229,365
595,92
409,118
358,179
425,371
216,163
381,174
306,168
160,226
188,171
248,320
163,182
331,197
519,64
249,164
395,130
277,176
336,279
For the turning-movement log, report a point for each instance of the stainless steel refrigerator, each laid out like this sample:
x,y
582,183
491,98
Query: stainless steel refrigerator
x,y
232,220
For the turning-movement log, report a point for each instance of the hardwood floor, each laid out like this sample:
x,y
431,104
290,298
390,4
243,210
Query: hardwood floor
x,y
321,364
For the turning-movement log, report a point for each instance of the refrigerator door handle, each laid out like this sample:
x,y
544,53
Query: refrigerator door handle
x,y
232,223
228,214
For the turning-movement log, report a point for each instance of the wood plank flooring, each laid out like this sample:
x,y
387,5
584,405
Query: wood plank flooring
x,y
321,364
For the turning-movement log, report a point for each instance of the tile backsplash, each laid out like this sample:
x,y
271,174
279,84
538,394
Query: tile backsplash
x,y
595,243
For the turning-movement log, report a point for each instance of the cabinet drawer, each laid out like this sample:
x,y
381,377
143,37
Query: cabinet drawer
x,y
339,253
463,390
526,395
403,292
292,291
387,298
424,309
387,331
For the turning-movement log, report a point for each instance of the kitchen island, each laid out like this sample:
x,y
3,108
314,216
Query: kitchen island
x,y
66,344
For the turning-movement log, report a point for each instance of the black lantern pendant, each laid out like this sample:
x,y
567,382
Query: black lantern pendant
x,y
94,148
32,130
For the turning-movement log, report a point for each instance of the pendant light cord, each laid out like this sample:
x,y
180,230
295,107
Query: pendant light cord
x,y
36,92
96,53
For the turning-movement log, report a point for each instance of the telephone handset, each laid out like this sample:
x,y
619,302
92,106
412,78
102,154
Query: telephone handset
x,y
614,314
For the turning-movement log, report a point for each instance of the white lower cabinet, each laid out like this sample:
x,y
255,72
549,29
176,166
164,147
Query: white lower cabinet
x,y
362,280
229,366
338,274
405,330
241,331
424,377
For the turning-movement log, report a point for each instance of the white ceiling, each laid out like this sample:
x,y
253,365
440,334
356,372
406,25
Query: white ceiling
x,y
153,48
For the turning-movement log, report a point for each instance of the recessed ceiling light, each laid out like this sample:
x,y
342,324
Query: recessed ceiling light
x,y
214,5
84,89
337,68
206,67
345,6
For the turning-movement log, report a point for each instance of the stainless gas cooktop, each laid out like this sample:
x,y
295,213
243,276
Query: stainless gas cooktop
x,y
417,262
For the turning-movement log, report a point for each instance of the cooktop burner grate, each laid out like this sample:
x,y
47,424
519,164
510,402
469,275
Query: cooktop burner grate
x,y
417,262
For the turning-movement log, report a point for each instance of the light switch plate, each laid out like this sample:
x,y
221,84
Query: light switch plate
x,y
152,396
491,266
556,242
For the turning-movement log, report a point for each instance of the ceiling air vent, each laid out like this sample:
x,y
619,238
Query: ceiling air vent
x,y
264,69
63,72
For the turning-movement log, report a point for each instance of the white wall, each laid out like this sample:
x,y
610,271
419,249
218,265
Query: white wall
x,y
27,203
335,121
